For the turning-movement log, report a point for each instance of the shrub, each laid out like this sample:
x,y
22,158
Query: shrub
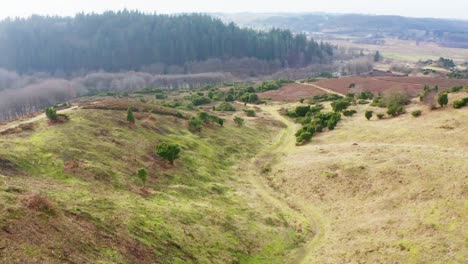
x,y
349,112
301,100
249,98
368,114
143,176
250,112
304,137
160,96
340,105
324,98
225,107
200,100
395,110
51,114
416,113
229,98
380,115
460,103
216,119
442,99
366,95
332,122
351,85
455,89
130,116
168,151
239,121
362,101
302,110
378,102
195,124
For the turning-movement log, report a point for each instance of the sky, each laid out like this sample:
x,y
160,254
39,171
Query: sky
x,y
414,8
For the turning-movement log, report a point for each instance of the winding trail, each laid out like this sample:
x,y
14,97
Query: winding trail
x,y
322,88
284,143
17,123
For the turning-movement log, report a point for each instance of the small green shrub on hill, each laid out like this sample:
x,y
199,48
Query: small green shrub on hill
x,y
225,107
416,113
168,151
249,112
442,99
460,103
239,121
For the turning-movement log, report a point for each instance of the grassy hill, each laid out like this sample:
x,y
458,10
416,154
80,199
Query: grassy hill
x,y
384,191
70,193
389,190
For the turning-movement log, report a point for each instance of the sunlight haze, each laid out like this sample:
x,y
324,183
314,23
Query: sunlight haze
x,y
429,8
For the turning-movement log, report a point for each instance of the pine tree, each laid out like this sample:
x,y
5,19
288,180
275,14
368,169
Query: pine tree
x,y
143,175
130,116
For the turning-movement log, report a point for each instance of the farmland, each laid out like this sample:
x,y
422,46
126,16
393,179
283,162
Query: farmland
x,y
291,92
413,85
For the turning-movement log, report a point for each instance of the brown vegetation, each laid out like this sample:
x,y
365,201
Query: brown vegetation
x,y
413,85
291,92
124,105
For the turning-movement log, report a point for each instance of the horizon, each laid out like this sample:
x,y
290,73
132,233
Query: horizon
x,y
432,9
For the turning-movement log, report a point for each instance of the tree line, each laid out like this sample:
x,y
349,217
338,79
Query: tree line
x,y
130,40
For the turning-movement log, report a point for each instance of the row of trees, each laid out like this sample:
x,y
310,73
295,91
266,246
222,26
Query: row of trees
x,y
129,40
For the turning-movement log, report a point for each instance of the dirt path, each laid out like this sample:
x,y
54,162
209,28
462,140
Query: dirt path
x,y
14,124
323,89
284,143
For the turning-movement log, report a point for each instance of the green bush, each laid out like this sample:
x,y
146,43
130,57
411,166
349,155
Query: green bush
x,y
442,99
143,176
455,89
362,102
229,98
340,105
368,114
225,107
380,115
460,103
168,151
395,110
52,115
349,112
195,124
249,112
239,121
200,100
301,111
365,95
161,96
304,137
324,98
416,113
130,116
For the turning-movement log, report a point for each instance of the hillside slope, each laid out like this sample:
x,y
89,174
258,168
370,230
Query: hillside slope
x,y
70,194
387,191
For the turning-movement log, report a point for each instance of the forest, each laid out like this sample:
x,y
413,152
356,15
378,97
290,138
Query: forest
x,y
131,40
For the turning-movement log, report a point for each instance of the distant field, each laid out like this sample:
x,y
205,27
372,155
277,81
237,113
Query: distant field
x,y
405,50
414,85
291,92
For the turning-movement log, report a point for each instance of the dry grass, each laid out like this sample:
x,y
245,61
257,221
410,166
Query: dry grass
x,y
389,191
405,50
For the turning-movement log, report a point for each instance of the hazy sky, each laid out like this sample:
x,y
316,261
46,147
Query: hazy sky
x,y
415,8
